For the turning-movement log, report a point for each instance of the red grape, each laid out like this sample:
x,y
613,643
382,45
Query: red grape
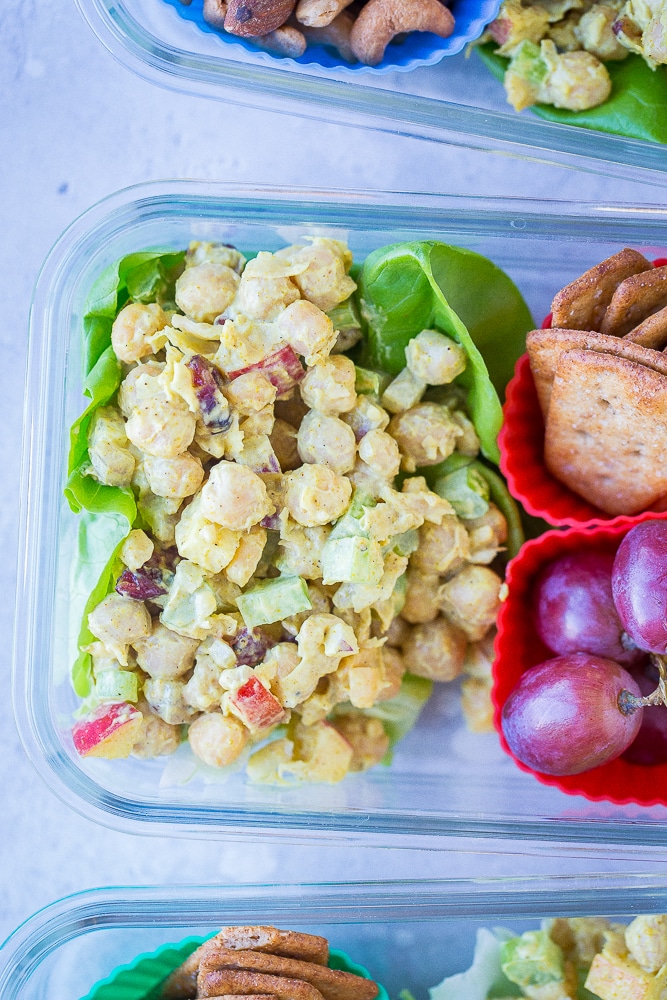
x,y
650,744
639,585
563,717
574,608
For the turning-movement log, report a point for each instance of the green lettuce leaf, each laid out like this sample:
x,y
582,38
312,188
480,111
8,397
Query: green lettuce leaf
x,y
637,108
93,575
408,287
485,977
144,277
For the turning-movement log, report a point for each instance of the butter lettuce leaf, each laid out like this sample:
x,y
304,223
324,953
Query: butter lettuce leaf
x,y
637,108
93,574
144,277
409,287
485,977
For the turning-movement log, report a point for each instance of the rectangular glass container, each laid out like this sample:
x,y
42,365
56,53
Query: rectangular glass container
x,y
456,101
445,785
409,935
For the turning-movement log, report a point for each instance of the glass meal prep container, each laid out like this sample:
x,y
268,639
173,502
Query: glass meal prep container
x,y
456,101
408,934
445,784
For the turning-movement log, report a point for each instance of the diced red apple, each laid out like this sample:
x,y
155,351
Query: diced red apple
x,y
256,706
283,369
110,731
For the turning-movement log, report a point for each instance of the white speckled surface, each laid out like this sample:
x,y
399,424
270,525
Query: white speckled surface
x,y
76,126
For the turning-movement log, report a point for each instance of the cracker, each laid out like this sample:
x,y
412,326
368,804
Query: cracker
x,y
635,299
652,332
581,305
606,431
546,346
182,983
333,984
223,982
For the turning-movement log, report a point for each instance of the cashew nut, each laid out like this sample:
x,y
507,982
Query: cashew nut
x,y
214,12
284,41
380,20
319,13
336,35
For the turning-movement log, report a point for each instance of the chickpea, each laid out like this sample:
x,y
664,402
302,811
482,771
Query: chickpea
x,y
234,497
136,549
435,650
328,441
119,620
426,434
161,427
250,392
366,736
646,938
307,330
156,737
165,698
325,281
442,547
394,668
140,384
134,329
381,453
468,443
471,600
174,477
206,290
487,534
165,654
203,690
108,448
264,292
315,494
366,416
434,358
217,739
396,633
329,387
283,442
421,599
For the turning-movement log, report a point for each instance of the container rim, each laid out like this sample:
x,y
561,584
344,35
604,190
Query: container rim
x,y
187,905
513,217
344,101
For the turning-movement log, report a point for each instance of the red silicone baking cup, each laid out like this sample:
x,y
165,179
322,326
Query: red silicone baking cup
x,y
518,647
521,444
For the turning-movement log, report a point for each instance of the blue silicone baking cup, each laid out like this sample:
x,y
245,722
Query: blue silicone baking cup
x,y
419,48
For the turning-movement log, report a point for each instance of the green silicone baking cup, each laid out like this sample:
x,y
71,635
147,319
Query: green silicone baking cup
x,y
141,979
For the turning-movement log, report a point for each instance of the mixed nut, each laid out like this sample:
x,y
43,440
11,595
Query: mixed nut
x,y
359,32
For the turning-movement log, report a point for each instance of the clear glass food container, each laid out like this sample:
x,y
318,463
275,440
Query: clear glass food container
x,y
445,785
456,101
408,934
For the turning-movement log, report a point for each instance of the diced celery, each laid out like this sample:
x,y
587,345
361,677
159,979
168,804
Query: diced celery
x,y
345,316
467,491
353,559
405,544
348,525
370,383
532,959
273,600
116,685
528,64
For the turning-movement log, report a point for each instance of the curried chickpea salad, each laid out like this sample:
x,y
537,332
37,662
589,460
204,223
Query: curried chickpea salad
x,y
310,540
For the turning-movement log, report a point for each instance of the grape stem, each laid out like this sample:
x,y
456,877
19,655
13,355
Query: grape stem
x,y
629,703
